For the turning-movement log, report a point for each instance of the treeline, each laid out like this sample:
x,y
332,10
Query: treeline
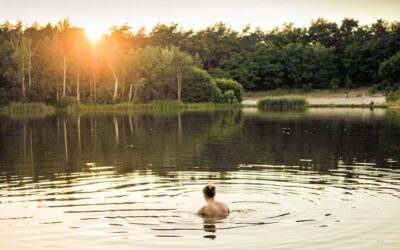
x,y
55,62
59,65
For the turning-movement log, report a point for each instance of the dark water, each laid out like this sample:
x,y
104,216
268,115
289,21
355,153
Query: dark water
x,y
328,178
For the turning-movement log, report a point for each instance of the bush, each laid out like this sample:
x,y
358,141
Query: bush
x,y
218,73
200,87
334,84
307,87
229,84
282,103
393,95
230,97
348,83
389,70
64,102
33,108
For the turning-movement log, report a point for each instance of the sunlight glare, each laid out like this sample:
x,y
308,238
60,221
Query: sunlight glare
x,y
94,34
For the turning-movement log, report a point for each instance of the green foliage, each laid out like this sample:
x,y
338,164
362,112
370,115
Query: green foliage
x,y
389,70
348,83
23,110
200,87
393,95
282,103
45,63
307,86
230,97
334,84
20,109
64,102
218,73
261,70
230,85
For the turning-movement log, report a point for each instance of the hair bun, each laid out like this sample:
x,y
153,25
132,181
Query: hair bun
x,y
209,190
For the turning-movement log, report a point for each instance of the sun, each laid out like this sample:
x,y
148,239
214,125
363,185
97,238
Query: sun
x,y
94,34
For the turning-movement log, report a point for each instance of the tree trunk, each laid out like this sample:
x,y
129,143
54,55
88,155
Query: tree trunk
x,y
91,88
14,40
64,76
130,92
30,63
135,90
77,88
23,76
94,87
115,87
179,81
58,96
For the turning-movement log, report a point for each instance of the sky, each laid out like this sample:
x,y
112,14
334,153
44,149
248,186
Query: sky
x,y
98,16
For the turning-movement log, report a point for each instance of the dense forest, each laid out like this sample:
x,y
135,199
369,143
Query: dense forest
x,y
52,63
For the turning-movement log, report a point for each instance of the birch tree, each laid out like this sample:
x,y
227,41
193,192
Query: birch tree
x,y
182,63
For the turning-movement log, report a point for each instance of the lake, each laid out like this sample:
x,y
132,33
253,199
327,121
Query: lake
x,y
323,179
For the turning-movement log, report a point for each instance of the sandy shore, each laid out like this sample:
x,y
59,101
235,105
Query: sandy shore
x,y
341,97
366,100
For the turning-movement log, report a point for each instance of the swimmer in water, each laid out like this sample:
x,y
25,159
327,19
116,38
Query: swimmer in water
x,y
213,208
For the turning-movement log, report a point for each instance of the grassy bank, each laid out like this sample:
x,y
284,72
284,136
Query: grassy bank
x,y
40,109
287,103
18,110
166,105
394,104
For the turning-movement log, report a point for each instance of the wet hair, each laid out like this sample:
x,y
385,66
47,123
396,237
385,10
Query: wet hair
x,y
209,190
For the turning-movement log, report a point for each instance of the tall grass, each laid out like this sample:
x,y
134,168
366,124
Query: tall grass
x,y
41,109
393,96
18,109
164,105
287,103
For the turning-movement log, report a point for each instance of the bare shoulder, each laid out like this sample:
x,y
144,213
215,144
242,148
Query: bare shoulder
x,y
223,205
201,211
227,208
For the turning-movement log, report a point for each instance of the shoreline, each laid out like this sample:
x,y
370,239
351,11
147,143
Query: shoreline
x,y
342,98
336,103
354,98
20,109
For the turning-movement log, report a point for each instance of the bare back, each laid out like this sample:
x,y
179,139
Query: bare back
x,y
214,209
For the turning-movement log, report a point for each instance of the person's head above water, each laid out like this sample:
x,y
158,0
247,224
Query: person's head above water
x,y
213,208
209,191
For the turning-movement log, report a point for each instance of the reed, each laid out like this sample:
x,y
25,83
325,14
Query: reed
x,y
287,103
164,105
41,109
32,109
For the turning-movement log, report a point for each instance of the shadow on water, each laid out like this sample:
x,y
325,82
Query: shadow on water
x,y
210,228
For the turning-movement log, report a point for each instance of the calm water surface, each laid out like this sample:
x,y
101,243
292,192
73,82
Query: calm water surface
x,y
325,179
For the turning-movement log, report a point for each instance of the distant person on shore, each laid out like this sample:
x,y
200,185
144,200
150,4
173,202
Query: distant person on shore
x,y
213,208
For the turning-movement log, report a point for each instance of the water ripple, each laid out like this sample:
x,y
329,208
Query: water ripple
x,y
281,200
